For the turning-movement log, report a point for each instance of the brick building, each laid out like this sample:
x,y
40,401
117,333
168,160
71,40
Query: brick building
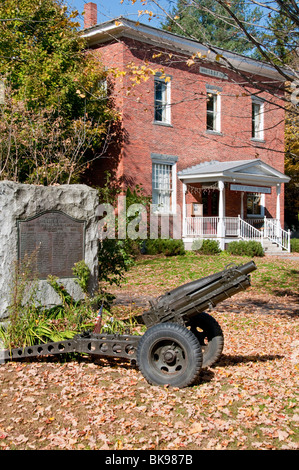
x,y
205,140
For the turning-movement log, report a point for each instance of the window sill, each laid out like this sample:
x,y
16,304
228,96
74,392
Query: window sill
x,y
257,141
160,123
208,131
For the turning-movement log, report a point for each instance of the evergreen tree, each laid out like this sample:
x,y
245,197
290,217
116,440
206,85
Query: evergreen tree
x,y
292,170
208,22
281,38
282,42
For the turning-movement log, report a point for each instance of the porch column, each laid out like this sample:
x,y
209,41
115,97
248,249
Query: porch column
x,y
221,227
242,205
184,209
278,226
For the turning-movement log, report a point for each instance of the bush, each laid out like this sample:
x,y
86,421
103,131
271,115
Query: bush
x,y
115,258
245,248
168,247
30,323
206,247
295,245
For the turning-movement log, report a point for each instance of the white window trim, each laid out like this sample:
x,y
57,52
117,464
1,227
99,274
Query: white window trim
x,y
217,112
259,133
167,119
173,164
262,206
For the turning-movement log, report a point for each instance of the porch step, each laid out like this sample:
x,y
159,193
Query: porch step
x,y
272,248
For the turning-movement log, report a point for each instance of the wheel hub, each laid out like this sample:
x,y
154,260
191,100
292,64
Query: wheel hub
x,y
169,356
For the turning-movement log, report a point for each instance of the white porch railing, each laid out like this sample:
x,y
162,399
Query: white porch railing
x,y
201,226
235,227
274,232
249,232
257,223
231,225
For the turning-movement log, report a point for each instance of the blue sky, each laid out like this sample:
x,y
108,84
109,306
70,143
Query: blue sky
x,y
109,9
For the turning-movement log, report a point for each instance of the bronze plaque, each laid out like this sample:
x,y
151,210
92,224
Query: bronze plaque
x,y
56,240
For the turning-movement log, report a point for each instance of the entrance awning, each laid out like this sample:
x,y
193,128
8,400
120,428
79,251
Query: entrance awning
x,y
247,172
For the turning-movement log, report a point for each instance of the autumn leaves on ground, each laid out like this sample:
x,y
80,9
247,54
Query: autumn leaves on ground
x,y
247,400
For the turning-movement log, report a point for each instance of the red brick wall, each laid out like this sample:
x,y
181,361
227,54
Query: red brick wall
x,y
187,138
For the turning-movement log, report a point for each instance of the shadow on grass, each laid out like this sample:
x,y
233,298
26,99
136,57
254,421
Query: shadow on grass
x,y
208,374
265,307
288,293
234,360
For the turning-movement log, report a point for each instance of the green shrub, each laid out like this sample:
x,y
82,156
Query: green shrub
x,y
168,247
30,323
295,245
206,247
115,258
245,248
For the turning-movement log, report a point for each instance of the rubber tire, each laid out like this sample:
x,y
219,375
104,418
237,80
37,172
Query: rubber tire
x,y
210,338
151,361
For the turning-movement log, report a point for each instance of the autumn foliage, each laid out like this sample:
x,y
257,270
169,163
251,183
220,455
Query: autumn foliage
x,y
246,401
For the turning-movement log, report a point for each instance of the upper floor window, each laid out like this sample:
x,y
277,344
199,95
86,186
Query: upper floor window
x,y
162,99
257,117
213,112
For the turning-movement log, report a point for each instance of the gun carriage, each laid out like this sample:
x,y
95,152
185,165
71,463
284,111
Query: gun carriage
x,y
180,339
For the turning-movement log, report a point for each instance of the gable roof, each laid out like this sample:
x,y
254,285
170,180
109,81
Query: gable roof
x,y
123,27
242,171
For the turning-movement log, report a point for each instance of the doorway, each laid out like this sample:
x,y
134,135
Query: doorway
x,y
210,201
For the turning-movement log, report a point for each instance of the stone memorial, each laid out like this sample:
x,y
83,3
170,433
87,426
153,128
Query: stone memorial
x,y
57,227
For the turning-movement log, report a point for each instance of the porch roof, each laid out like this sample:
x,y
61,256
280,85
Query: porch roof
x,y
243,171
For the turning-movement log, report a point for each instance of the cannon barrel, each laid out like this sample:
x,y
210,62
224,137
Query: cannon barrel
x,y
181,304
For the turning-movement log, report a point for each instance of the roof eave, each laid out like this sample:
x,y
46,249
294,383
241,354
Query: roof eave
x,y
233,177
123,27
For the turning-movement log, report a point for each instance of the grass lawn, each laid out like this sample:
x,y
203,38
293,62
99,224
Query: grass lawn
x,y
248,400
154,275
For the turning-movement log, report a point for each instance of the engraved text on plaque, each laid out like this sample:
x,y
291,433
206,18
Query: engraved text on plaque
x,y
56,238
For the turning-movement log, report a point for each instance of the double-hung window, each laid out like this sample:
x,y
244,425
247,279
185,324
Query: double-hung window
x,y
164,185
213,112
257,119
162,99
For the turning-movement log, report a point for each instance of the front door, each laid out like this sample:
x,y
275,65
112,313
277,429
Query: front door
x,y
210,200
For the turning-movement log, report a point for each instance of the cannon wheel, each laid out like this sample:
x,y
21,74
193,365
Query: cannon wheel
x,y
169,353
210,336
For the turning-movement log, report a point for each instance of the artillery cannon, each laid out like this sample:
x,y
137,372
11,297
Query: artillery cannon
x,y
181,338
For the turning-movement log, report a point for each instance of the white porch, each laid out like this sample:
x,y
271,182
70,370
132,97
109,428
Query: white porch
x,y
252,176
228,229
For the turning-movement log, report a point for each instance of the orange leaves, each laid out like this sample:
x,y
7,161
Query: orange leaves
x,y
190,62
135,73
146,12
198,55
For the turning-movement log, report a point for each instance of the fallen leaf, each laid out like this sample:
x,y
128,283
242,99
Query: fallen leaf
x,y
196,428
282,435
